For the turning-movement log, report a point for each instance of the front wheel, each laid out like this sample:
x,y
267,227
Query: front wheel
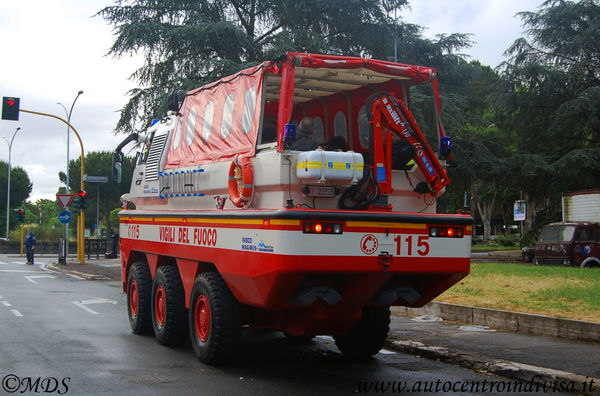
x,y
214,323
367,336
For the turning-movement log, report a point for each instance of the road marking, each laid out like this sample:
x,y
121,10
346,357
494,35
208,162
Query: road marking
x,y
82,304
16,313
6,303
387,352
30,278
25,271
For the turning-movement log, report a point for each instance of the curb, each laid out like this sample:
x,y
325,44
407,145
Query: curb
x,y
510,321
76,274
525,373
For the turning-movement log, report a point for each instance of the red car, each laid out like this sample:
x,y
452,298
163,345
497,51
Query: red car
x,y
569,244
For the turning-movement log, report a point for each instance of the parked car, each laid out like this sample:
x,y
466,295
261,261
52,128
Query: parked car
x,y
575,243
528,253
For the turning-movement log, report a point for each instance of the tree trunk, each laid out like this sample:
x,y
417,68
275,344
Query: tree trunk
x,y
486,211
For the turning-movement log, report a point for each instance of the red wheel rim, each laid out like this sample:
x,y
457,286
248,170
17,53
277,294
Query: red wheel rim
x,y
160,305
133,298
202,318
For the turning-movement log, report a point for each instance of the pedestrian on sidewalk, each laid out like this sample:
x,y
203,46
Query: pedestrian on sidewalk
x,y
115,242
30,245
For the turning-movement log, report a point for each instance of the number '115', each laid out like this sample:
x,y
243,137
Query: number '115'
x,y
406,242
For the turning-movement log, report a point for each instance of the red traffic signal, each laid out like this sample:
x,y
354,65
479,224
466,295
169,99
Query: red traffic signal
x,y
10,108
81,193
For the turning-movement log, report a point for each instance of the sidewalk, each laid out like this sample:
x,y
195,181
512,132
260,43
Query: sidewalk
x,y
513,355
509,354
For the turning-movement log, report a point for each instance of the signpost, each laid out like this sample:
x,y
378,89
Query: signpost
x,y
520,213
96,179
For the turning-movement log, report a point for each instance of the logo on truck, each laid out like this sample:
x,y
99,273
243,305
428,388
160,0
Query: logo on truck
x,y
369,244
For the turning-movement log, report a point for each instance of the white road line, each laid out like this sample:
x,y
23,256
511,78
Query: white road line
x,y
16,313
24,271
6,303
30,278
82,304
387,352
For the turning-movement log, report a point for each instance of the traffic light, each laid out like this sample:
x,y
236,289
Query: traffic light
x,y
10,108
82,201
75,206
20,215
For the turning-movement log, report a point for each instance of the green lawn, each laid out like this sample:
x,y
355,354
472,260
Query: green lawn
x,y
546,290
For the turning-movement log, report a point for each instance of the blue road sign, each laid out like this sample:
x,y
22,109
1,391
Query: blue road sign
x,y
64,217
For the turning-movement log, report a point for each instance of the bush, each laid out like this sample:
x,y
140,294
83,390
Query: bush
x,y
506,240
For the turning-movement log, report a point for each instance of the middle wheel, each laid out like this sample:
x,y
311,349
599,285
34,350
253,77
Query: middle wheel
x,y
169,316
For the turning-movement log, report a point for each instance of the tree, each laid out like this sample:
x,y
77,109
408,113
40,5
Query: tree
x,y
99,163
188,43
551,109
554,79
20,188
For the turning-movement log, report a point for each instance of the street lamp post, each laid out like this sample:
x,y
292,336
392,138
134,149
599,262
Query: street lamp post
x,y
68,114
8,182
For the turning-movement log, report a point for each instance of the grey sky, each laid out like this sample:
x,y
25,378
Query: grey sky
x,y
57,48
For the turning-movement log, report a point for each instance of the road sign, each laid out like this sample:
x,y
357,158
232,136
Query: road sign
x,y
64,217
64,200
95,179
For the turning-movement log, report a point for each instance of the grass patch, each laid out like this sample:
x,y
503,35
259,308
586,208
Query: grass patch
x,y
491,247
565,292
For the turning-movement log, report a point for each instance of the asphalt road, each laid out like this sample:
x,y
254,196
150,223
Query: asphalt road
x,y
72,336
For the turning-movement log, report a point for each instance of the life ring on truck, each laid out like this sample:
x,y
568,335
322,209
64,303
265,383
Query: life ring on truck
x,y
241,194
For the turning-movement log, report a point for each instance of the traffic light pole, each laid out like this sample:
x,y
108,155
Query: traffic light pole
x,y
22,234
8,178
81,218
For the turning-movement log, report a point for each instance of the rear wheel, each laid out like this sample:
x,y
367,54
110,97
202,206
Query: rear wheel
x,y
169,316
139,288
214,323
367,337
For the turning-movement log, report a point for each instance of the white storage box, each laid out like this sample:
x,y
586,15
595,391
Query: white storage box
x,y
322,166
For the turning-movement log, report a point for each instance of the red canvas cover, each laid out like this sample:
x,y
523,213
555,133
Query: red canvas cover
x,y
205,133
415,75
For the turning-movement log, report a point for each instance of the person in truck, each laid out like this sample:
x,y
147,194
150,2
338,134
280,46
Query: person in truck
x,y
305,135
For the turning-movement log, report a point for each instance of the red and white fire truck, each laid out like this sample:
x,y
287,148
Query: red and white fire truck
x,y
226,227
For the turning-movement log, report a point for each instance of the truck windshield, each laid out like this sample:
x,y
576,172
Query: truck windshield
x,y
557,233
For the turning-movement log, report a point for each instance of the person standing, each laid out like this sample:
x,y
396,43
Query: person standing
x,y
115,242
30,245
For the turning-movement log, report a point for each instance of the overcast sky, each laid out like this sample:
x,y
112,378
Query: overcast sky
x,y
54,48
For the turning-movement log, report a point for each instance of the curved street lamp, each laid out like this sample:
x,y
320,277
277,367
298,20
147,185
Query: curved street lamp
x,y
8,182
68,114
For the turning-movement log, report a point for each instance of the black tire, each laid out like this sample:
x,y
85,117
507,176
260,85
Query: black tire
x,y
367,337
527,257
169,316
214,319
139,288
